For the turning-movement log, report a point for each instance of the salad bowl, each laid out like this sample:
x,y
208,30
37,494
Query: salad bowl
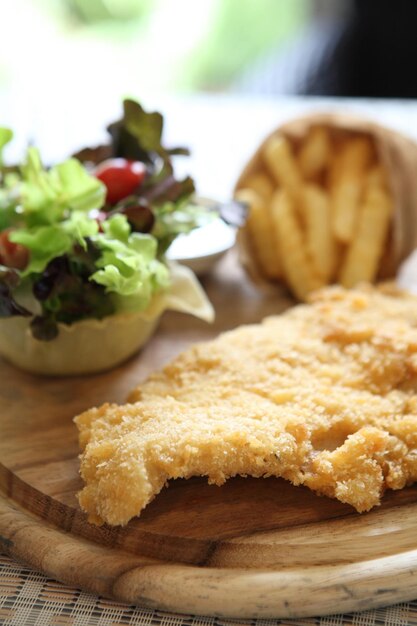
x,y
84,271
93,345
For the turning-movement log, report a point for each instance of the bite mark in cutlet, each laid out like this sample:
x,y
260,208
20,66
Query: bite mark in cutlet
x,y
323,396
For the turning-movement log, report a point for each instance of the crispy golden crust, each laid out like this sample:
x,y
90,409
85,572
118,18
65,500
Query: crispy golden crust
x,y
323,396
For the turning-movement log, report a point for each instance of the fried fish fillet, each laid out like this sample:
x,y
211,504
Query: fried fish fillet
x,y
323,396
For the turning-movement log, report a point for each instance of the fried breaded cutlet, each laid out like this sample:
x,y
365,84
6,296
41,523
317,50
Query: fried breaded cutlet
x,y
323,396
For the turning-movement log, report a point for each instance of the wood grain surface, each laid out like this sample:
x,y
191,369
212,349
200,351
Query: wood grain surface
x,y
252,548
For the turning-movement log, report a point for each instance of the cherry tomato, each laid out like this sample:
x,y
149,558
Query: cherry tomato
x,y
12,254
121,177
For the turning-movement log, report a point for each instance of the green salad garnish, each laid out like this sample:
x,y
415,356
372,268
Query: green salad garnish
x,y
86,238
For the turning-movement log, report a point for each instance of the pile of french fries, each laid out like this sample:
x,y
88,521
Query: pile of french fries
x,y
320,210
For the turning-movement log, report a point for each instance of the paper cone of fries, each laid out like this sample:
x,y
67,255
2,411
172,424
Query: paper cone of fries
x,y
332,199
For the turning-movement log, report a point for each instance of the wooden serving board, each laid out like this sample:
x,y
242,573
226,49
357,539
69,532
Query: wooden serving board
x,y
252,548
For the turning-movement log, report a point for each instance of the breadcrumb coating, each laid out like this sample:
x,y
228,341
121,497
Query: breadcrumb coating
x,y
323,396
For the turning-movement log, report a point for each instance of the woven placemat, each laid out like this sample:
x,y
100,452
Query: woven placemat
x,y
28,598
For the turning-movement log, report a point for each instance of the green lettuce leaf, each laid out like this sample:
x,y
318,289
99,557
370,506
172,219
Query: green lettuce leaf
x,y
117,227
48,242
79,190
79,226
145,127
127,266
138,135
47,195
6,135
44,243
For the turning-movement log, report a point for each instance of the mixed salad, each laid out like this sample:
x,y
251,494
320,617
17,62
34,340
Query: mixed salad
x,y
87,238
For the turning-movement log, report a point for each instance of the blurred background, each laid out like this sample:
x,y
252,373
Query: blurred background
x,y
66,64
333,47
149,45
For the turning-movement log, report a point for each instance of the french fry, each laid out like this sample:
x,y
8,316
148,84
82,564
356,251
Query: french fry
x,y
363,256
320,242
297,267
282,164
259,224
347,190
315,152
334,171
262,184
377,177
